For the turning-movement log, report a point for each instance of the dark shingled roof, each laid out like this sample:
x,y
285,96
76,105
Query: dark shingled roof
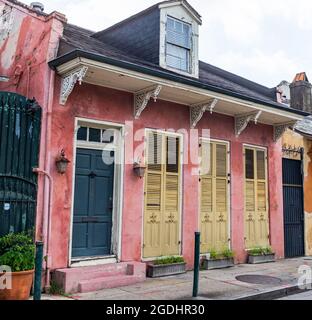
x,y
305,127
143,13
78,38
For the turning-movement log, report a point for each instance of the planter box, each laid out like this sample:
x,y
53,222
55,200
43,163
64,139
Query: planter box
x,y
209,264
261,259
157,271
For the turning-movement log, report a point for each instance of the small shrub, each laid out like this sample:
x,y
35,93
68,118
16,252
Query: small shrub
x,y
225,254
214,254
260,251
169,260
18,252
55,289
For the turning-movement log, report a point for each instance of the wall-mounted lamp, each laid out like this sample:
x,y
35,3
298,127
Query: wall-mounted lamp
x,y
139,169
4,79
62,162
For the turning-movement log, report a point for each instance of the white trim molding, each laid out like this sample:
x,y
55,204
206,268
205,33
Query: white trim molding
x,y
119,148
280,129
69,81
197,111
242,121
142,98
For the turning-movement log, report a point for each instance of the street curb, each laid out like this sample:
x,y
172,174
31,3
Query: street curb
x,y
275,294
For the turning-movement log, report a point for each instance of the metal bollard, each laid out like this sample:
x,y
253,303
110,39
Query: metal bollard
x,y
38,270
196,264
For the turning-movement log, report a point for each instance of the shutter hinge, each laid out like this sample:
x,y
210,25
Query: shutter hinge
x,y
143,246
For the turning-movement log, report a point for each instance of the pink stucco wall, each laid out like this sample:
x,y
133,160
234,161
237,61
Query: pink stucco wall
x,y
99,103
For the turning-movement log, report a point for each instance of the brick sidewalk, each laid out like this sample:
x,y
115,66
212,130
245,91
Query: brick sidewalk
x,y
215,284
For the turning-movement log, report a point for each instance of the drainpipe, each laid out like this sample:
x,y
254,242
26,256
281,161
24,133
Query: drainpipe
x,y
46,225
48,183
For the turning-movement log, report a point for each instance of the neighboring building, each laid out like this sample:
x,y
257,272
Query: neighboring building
x,y
298,211
143,88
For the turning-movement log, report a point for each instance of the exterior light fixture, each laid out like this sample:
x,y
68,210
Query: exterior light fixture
x,y
62,162
139,169
4,79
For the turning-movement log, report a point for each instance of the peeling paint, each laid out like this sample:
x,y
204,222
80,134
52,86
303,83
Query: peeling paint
x,y
10,40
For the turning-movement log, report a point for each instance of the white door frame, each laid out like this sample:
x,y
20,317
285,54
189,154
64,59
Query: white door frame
x,y
119,148
229,189
181,188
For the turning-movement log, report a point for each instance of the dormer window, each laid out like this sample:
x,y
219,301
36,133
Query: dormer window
x,y
178,44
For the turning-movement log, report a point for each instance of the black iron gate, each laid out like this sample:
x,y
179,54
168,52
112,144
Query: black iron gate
x,y
20,123
293,207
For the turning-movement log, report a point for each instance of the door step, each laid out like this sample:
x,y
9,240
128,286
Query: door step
x,y
108,283
86,279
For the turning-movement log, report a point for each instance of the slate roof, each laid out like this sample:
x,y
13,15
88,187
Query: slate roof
x,y
77,41
75,37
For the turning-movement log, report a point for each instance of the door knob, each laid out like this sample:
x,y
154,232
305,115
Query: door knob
x,y
92,175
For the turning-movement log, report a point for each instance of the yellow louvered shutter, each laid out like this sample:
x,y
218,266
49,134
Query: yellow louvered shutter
x,y
162,196
214,196
153,197
171,214
256,209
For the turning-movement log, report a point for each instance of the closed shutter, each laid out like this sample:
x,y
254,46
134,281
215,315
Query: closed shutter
x,y
256,197
153,197
214,196
162,196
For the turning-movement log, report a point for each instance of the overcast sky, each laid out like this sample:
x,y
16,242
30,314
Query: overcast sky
x,y
263,40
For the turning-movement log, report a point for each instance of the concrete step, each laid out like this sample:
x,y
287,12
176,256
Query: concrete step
x,y
70,278
108,283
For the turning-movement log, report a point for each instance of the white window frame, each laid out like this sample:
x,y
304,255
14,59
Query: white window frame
x,y
188,50
266,152
229,190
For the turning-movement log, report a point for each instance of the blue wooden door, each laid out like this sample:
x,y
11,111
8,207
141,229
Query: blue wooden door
x,y
93,203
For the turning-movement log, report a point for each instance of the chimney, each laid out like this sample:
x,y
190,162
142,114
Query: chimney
x,y
38,6
301,93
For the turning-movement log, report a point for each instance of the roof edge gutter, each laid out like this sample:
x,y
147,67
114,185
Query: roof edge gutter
x,y
162,74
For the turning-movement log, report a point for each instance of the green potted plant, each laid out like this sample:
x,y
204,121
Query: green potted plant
x,y
261,255
218,260
166,266
17,251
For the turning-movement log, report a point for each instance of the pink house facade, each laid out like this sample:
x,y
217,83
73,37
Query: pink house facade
x,y
146,92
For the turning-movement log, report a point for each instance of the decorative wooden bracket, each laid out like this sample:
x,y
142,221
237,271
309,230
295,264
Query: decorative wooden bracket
x,y
69,81
142,98
197,111
242,120
280,129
